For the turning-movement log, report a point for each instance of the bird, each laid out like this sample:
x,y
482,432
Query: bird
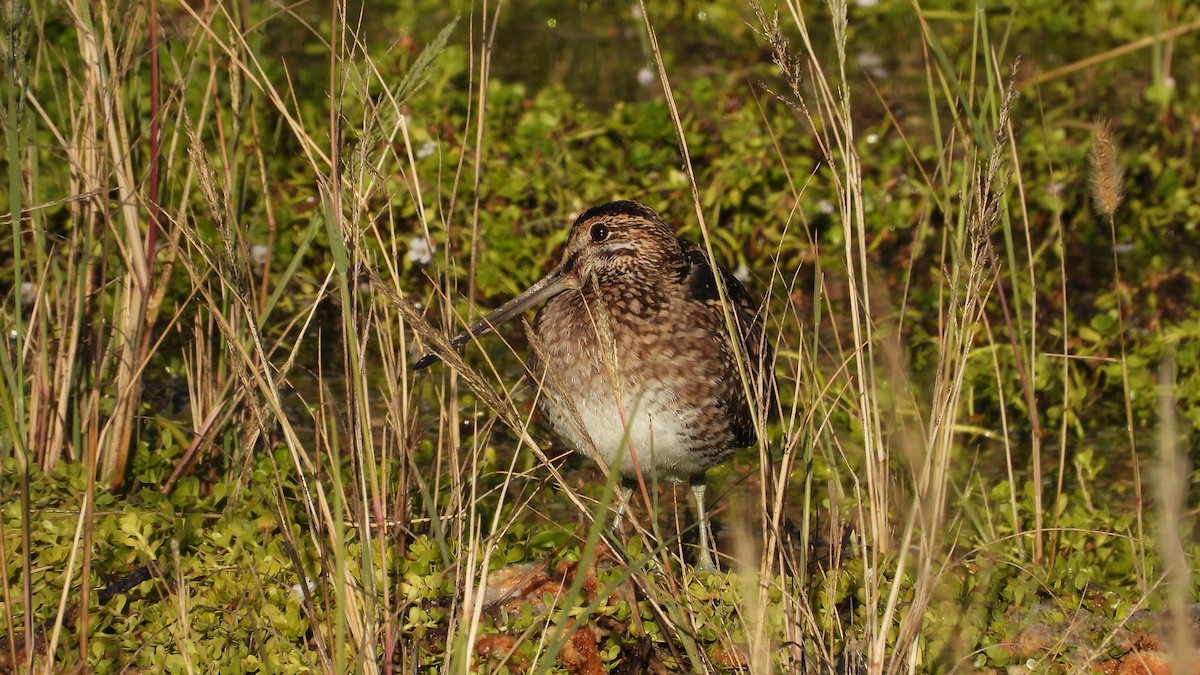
x,y
633,352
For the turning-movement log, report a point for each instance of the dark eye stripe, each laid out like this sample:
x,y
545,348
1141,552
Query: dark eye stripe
x,y
569,264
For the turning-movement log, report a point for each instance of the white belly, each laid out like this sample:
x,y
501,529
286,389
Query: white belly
x,y
652,424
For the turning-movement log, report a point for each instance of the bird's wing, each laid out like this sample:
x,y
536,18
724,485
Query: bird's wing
x,y
759,358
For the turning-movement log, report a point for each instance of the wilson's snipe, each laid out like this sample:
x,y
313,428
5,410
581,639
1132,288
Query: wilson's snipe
x,y
633,350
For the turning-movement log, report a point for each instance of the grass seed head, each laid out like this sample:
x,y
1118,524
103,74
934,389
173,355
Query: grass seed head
x,y
1107,172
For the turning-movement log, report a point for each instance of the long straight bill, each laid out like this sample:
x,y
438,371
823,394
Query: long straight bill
x,y
550,285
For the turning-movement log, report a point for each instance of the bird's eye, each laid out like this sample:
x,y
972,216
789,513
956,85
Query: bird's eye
x,y
599,232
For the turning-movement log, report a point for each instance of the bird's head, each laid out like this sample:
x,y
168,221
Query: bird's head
x,y
607,241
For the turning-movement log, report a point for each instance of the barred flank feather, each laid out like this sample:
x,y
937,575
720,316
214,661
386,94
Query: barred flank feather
x,y
1107,173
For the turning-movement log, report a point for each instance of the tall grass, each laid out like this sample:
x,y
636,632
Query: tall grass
x,y
379,455
906,436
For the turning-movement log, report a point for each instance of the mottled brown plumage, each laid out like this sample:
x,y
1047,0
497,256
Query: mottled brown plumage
x,y
632,348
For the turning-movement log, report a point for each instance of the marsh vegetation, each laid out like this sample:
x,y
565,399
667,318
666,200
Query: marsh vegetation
x,y
233,226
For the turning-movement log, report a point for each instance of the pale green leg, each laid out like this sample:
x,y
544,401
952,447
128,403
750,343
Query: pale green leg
x,y
704,561
627,493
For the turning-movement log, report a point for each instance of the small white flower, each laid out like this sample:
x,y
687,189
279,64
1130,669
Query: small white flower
x,y
298,589
742,273
646,76
26,292
825,206
427,149
420,250
871,63
259,254
866,3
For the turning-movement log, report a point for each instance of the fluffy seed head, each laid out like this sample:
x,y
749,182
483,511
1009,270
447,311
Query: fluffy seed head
x,y
1107,172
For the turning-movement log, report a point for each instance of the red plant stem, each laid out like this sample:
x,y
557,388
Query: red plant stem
x,y
155,108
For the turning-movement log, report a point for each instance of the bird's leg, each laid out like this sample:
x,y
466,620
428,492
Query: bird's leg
x,y
704,561
626,494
